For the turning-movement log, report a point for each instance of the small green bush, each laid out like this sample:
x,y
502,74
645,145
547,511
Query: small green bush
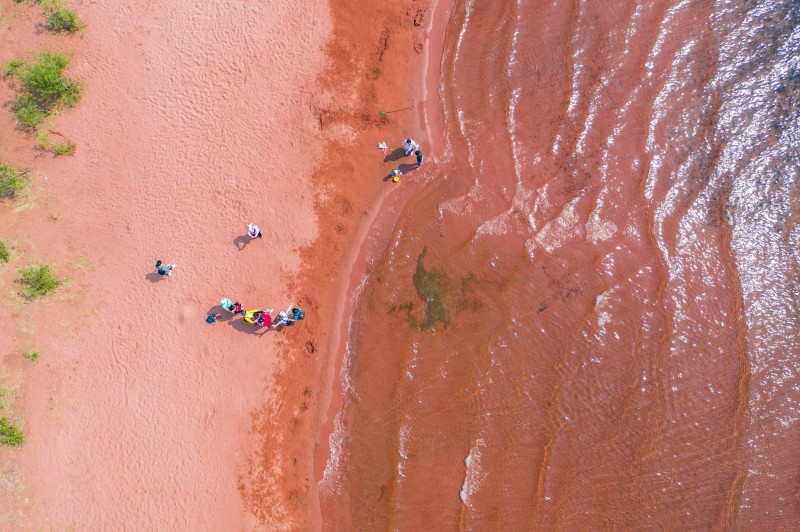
x,y
29,114
57,148
31,355
12,67
43,86
11,182
9,434
63,19
5,253
37,280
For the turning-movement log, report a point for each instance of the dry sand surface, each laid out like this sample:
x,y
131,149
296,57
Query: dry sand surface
x,y
196,119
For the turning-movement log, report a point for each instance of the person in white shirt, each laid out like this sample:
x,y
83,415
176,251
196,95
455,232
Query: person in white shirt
x,y
410,146
254,231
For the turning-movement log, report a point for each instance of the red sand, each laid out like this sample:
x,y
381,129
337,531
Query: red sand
x,y
194,122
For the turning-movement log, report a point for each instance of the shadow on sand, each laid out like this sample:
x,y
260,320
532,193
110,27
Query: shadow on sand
x,y
405,168
396,155
242,326
226,316
153,277
241,241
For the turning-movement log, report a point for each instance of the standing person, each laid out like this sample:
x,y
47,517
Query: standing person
x,y
419,158
163,269
409,146
253,231
396,175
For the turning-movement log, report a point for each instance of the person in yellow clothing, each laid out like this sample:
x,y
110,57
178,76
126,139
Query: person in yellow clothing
x,y
259,317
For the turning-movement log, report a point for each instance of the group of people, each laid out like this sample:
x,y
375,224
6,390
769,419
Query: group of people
x,y
409,147
257,317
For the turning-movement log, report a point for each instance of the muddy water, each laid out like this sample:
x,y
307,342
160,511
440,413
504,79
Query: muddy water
x,y
589,317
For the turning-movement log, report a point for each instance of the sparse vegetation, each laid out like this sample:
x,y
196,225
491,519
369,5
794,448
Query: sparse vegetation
x,y
63,19
5,253
37,280
9,434
31,355
12,181
12,67
431,289
43,88
57,148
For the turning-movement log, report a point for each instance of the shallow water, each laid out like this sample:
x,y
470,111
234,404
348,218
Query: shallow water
x,y
590,316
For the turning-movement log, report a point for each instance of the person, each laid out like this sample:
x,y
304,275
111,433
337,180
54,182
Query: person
x,y
163,269
264,320
396,175
251,315
283,319
230,306
211,318
258,317
253,231
296,314
383,147
419,158
409,146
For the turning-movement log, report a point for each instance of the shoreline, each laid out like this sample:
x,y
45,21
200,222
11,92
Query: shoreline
x,y
373,233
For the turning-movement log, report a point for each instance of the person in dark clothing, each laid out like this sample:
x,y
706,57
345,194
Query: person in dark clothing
x,y
164,269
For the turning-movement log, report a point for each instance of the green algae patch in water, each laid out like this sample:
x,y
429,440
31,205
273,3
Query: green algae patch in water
x,y
431,289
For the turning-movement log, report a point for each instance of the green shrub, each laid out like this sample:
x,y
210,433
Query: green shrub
x,y
44,80
57,148
31,355
37,280
5,253
9,434
11,182
63,19
29,114
43,86
62,148
12,67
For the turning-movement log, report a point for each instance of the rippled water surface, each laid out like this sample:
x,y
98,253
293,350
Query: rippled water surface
x,y
590,317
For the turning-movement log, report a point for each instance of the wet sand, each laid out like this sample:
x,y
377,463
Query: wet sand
x,y
589,318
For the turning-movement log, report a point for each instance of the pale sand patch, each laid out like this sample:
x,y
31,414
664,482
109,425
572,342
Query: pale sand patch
x,y
196,119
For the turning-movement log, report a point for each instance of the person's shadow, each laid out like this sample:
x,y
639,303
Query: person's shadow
x,y
249,328
153,277
241,241
405,168
217,309
396,155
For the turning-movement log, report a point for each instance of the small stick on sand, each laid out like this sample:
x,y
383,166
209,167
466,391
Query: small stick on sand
x,y
384,113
